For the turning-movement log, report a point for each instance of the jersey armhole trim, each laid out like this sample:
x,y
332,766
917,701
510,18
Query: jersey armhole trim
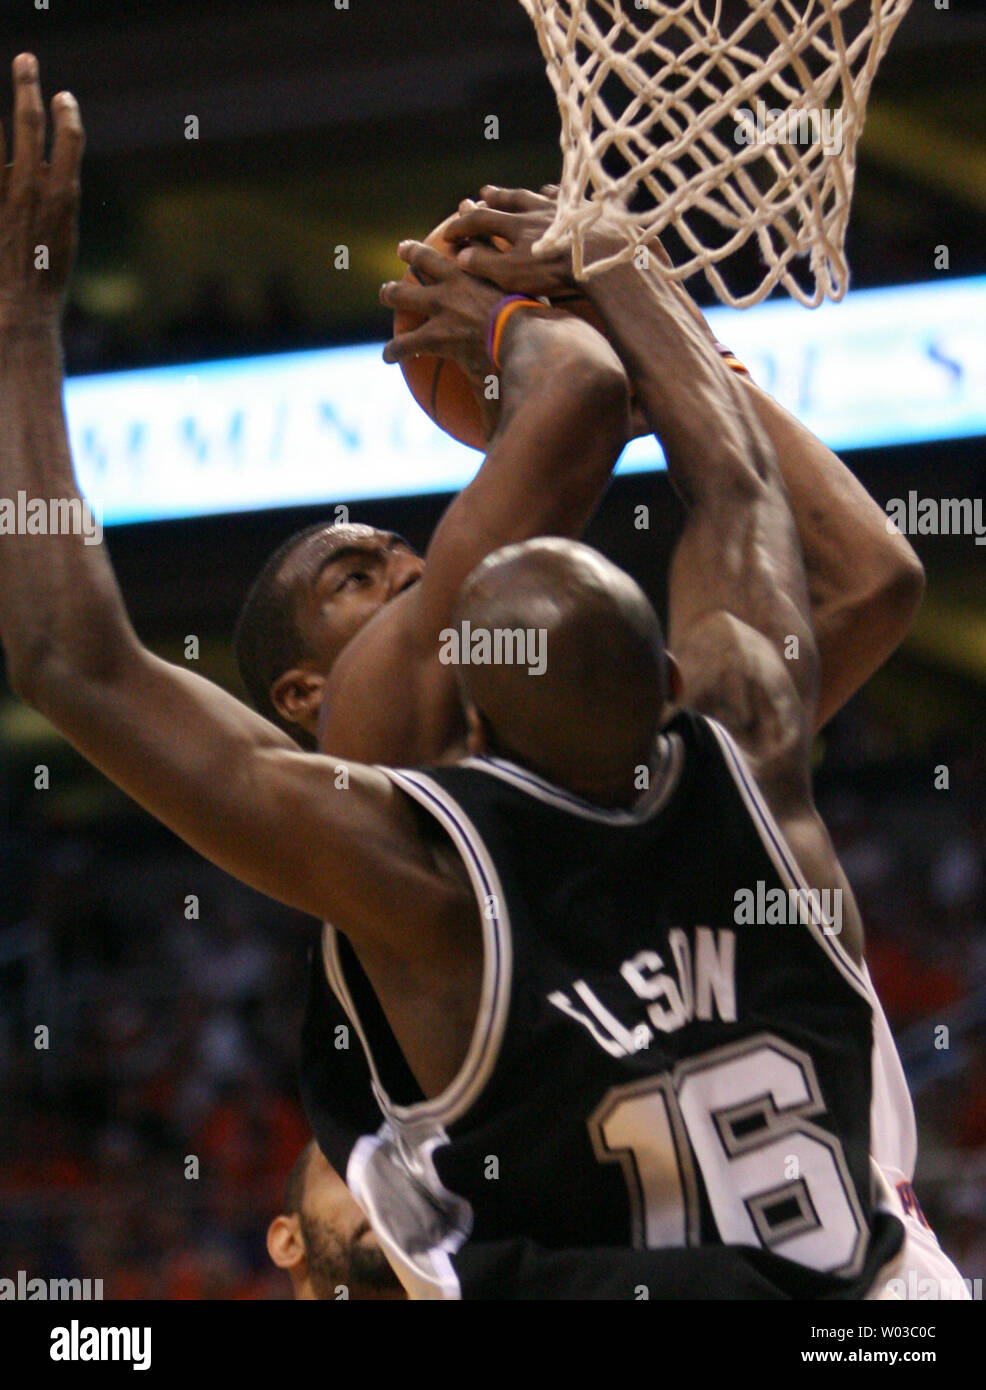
x,y
427,1273
784,861
652,800
494,996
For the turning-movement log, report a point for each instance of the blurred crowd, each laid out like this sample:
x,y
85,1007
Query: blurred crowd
x,y
145,1137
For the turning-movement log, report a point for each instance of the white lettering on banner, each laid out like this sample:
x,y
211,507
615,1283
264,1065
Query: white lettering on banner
x,y
308,427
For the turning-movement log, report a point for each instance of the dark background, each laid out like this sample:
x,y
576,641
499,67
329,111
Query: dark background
x,y
318,126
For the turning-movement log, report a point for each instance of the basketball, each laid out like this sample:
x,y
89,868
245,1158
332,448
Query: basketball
x,y
379,820
439,386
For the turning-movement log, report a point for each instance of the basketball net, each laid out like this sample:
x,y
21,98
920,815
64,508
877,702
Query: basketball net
x,y
726,120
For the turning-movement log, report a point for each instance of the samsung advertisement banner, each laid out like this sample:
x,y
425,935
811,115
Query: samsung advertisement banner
x,y
884,367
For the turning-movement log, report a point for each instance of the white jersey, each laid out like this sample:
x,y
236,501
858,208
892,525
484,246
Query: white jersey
x,y
921,1270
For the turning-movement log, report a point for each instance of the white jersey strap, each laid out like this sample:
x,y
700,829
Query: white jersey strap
x,y
494,999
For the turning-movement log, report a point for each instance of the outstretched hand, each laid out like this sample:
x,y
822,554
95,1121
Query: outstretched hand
x,y
456,309
39,202
520,218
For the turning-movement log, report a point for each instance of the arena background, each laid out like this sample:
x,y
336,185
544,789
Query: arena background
x,y
171,1037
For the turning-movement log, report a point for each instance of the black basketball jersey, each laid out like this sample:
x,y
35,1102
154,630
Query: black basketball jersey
x,y
338,1096
672,1052
335,1079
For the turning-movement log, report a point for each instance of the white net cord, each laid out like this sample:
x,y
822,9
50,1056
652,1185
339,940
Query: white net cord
x,y
727,120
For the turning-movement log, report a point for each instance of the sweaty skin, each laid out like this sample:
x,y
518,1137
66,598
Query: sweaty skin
x,y
235,787
373,684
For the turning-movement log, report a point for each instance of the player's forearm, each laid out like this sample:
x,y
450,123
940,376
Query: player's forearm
x,y
563,384
58,597
865,584
712,439
739,556
563,424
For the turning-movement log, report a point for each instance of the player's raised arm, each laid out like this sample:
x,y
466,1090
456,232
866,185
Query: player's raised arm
x,y
740,619
864,583
224,779
562,422
739,600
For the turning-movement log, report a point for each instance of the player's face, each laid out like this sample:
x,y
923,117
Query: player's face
x,y
340,1247
345,575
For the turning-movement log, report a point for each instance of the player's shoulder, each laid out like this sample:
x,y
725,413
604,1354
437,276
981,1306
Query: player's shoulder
x,y
782,810
736,676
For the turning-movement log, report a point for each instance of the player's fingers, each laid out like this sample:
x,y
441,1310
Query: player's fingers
x,y
487,264
483,222
511,199
412,344
29,125
550,190
67,145
405,294
425,261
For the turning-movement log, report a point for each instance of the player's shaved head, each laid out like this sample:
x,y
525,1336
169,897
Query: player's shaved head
x,y
590,719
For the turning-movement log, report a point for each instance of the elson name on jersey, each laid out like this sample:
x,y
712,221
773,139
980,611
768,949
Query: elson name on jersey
x,y
698,983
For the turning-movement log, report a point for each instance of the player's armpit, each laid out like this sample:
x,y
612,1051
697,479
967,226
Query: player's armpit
x,y
334,840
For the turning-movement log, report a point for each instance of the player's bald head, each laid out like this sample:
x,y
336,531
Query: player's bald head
x,y
591,717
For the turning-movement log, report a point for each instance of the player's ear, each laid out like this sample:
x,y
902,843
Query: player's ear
x,y
284,1243
297,696
676,682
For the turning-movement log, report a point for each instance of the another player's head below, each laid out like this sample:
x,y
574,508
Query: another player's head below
x,y
310,599
323,1240
586,715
